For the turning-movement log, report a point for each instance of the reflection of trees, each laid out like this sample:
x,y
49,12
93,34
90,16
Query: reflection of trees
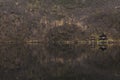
x,y
21,61
13,57
66,51
107,60
43,62
34,62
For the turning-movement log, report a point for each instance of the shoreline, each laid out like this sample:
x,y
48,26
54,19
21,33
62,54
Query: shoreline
x,y
64,42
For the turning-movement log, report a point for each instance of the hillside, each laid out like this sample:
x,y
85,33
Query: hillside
x,y
26,20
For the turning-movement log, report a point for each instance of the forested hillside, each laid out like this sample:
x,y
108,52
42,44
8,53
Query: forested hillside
x,y
26,20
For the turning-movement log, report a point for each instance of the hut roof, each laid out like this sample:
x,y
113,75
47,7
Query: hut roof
x,y
102,37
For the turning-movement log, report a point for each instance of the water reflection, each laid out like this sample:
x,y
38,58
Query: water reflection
x,y
53,62
103,47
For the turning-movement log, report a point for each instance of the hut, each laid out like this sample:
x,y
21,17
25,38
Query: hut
x,y
103,37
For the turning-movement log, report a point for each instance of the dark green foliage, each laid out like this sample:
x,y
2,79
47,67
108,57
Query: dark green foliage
x,y
31,19
108,23
71,4
62,33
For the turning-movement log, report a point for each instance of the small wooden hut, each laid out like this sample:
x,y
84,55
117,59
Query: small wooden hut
x,y
103,37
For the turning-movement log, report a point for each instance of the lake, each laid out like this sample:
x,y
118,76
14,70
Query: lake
x,y
53,62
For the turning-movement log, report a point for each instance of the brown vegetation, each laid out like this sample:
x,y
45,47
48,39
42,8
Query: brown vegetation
x,y
31,20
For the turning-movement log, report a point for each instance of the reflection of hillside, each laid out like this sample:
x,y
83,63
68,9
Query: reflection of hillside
x,y
107,60
39,61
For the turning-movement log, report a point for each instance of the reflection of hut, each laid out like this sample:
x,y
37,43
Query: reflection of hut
x,y
103,47
103,37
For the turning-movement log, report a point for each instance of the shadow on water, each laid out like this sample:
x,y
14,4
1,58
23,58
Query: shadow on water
x,y
54,62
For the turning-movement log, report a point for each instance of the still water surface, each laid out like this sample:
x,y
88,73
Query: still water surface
x,y
40,62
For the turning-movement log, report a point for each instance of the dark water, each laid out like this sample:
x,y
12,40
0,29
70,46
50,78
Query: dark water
x,y
40,62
